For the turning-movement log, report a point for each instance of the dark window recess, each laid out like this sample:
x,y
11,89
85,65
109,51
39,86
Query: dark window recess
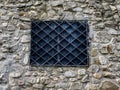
x,y
59,43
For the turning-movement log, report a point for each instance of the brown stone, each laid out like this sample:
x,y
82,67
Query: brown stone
x,y
109,48
108,85
108,74
93,52
97,75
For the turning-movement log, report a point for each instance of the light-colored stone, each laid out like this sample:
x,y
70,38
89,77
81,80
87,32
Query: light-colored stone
x,y
11,27
32,13
103,60
5,17
2,56
15,74
56,3
28,73
88,11
112,31
93,68
118,80
43,16
81,72
117,66
97,75
15,88
104,50
70,74
118,46
76,86
4,24
68,16
71,4
118,7
25,19
38,86
100,26
77,9
85,78
62,85
118,54
26,59
118,39
113,8
25,39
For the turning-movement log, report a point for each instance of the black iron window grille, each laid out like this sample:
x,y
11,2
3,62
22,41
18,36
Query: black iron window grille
x,y
59,43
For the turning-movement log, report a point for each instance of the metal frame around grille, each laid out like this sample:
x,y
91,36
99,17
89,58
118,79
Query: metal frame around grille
x,y
59,43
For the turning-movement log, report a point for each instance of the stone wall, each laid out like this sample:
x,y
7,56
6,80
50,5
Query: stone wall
x,y
103,72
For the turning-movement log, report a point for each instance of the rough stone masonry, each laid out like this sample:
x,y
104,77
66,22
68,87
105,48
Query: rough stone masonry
x,y
103,72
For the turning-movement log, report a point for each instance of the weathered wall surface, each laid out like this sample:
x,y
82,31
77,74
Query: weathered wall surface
x,y
103,72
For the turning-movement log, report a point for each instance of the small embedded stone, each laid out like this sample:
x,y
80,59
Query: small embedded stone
x,y
108,85
77,9
25,19
38,86
81,1
85,78
97,75
26,59
103,60
27,74
81,72
117,67
15,88
2,56
118,46
118,7
4,24
15,74
118,54
17,57
108,14
56,3
104,50
93,52
118,80
118,39
21,13
32,13
25,39
23,26
113,8
108,74
93,68
11,27
5,17
70,74
21,82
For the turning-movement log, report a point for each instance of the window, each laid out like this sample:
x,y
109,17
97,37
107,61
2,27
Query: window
x,y
59,43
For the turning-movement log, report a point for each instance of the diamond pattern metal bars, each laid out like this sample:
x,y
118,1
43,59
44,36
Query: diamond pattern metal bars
x,y
59,43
